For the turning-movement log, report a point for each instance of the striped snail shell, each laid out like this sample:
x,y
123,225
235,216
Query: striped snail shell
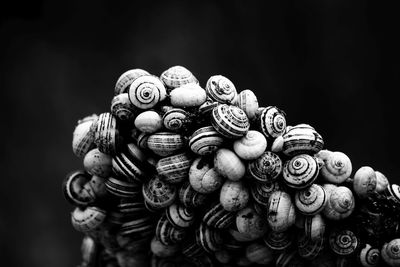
x,y
248,102
167,233
205,141
281,211
83,135
265,168
98,163
87,219
132,205
106,136
122,108
230,121
138,227
391,252
262,191
75,188
189,197
177,76
158,194
340,203
277,145
188,95
206,108
300,171
272,122
369,256
121,188
364,182
229,165
174,169
250,223
141,140
126,78
221,89
234,195
149,121
302,139
165,143
217,217
382,182
161,250
337,166
278,241
147,91
258,253
179,216
250,146
314,227
203,177
392,192
175,119
208,238
190,248
311,200
309,248
343,242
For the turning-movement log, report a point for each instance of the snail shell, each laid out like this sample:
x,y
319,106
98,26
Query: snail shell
x,y
302,139
122,108
175,119
203,178
219,218
174,169
208,238
364,182
265,168
98,163
391,252
141,141
250,223
310,248
369,256
343,242
167,233
278,241
106,136
161,250
340,203
75,188
98,187
337,166
189,197
277,145
281,211
230,121
138,228
158,194
221,89
122,188
89,250
188,95
234,195
248,102
250,146
311,200
126,78
83,136
258,253
314,227
147,91
262,191
177,76
206,108
300,171
392,192
205,141
272,122
179,216
228,164
382,182
149,121
165,143
132,206
88,219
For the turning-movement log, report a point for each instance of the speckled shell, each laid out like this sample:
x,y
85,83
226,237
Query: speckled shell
x,y
76,188
278,241
174,169
161,250
248,102
258,253
281,211
309,248
158,194
126,78
369,256
311,200
180,216
165,143
262,191
175,119
230,121
177,76
314,227
381,182
390,252
203,177
188,95
83,135
250,223
218,217
97,163
272,122
343,242
122,108
265,168
337,166
106,136
300,171
302,139
208,238
364,182
138,228
250,146
147,91
229,165
205,141
88,219
340,203
189,197
149,121
221,89
234,195
167,233
121,188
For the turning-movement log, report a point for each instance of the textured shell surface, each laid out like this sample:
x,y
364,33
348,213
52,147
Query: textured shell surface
x,y
281,211
300,139
311,200
300,171
179,215
340,203
87,219
262,191
278,241
174,169
230,121
205,140
189,197
309,248
158,193
369,256
126,78
165,143
75,190
147,91
208,238
167,233
177,76
382,182
217,217
265,168
250,146
364,181
343,242
390,252
98,187
221,89
175,119
234,195
138,228
337,166
83,135
149,121
257,252
203,177
98,163
106,135
250,223
228,164
248,102
314,227
122,108
272,122
188,95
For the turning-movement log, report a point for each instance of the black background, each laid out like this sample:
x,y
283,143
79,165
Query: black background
x,y
331,64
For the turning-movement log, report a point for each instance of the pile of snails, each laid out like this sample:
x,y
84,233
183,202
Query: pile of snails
x,y
176,174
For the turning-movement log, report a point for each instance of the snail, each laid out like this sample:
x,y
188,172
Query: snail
x,y
217,217
277,145
390,252
343,242
364,181
122,108
340,203
221,89
248,102
208,238
311,200
179,216
382,182
258,253
309,248
83,135
278,241
177,76
167,233
189,197
190,248
106,136
272,122
175,119
392,193
149,121
126,78
281,211
203,177
228,164
147,91
251,146
369,256
165,143
174,169
265,168
230,121
300,171
250,223
158,194
141,141
121,188
76,188
98,187
314,227
336,168
97,163
161,250
188,95
301,139
87,219
205,140
262,191
234,195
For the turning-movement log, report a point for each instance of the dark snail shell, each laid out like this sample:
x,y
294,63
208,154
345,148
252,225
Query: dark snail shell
x,y
138,227
87,219
191,198
278,241
265,168
167,233
106,136
122,108
147,91
390,252
208,238
177,76
76,188
122,188
250,223
161,250
205,141
310,248
311,200
180,216
301,171
343,242
221,89
262,191
217,217
126,78
302,139
230,121
257,252
158,194
175,119
272,122
369,256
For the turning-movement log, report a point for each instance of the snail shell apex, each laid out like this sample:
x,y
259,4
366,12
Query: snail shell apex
x,y
230,121
311,200
369,256
390,252
122,108
175,119
83,135
126,78
337,166
340,203
343,242
265,168
300,171
272,122
221,89
147,91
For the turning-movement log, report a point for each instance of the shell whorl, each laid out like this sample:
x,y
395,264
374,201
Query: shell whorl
x,y
301,139
175,119
390,252
230,121
221,89
272,122
343,242
266,168
311,200
301,171
147,91
337,166
205,141
369,256
177,76
126,79
340,203
251,145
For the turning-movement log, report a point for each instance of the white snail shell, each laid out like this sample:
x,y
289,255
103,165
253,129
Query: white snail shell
x,y
314,227
165,143
234,195
343,242
188,95
230,121
97,163
251,223
382,182
390,252
228,164
281,211
337,166
147,91
311,200
177,76
272,122
83,135
203,177
248,102
250,146
258,253
88,219
149,121
364,182
174,169
122,108
340,203
300,139
175,119
369,256
126,78
266,168
300,171
221,89
205,141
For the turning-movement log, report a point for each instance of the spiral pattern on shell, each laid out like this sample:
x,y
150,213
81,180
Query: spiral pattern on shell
x,y
343,242
301,171
230,121
337,166
301,139
272,122
208,238
126,78
167,233
369,256
392,192
75,188
174,169
191,198
177,76
218,217
262,191
122,108
179,216
265,168
221,89
146,91
175,119
390,252
158,194
205,141
311,200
